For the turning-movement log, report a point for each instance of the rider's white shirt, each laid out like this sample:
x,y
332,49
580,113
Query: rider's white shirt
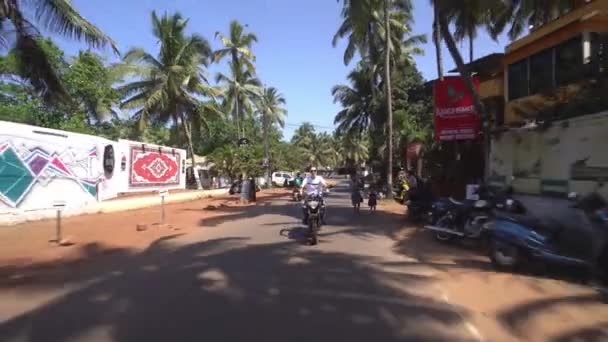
x,y
313,185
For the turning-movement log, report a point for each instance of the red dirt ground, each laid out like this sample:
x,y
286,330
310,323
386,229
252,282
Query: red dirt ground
x,y
29,243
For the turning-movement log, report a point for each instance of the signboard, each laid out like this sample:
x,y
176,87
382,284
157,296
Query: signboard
x,y
59,205
455,115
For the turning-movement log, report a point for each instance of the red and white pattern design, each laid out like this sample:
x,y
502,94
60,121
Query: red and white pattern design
x,y
153,167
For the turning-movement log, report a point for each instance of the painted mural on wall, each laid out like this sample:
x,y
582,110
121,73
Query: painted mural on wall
x,y
24,167
153,167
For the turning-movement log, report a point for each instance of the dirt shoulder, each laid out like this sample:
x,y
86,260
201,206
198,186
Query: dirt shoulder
x,y
507,306
29,243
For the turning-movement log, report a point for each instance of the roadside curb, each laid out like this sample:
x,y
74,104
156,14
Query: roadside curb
x,y
112,206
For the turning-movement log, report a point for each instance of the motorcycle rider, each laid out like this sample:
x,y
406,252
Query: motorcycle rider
x,y
313,184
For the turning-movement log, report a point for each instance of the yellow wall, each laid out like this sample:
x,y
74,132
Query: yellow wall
x,y
592,17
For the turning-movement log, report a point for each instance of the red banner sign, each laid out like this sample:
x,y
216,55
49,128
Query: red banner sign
x,y
455,115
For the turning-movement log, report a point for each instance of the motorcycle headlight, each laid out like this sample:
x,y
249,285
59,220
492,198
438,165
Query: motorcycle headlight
x,y
313,204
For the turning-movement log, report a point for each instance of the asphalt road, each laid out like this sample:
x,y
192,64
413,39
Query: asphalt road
x,y
250,276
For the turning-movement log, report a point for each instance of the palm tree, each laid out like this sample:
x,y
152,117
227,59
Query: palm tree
x,y
357,102
240,89
238,46
319,150
56,16
243,87
370,24
518,15
270,106
354,148
167,87
437,42
303,135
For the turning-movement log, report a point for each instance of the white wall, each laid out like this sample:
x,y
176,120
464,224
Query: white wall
x,y
39,166
571,151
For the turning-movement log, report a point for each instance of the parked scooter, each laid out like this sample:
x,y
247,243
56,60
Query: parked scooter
x,y
515,239
450,219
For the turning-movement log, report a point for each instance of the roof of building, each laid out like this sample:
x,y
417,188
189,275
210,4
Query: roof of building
x,y
484,64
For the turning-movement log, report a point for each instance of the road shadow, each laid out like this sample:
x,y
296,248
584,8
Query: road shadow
x,y
592,333
299,234
230,290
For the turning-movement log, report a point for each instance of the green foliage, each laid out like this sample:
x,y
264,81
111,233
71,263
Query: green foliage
x,y
30,58
89,83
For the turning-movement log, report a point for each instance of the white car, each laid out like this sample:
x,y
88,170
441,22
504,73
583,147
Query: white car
x,y
279,178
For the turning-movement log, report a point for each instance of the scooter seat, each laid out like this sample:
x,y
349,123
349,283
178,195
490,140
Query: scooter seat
x,y
542,226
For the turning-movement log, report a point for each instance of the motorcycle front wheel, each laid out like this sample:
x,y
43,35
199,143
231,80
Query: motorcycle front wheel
x,y
441,236
312,226
503,255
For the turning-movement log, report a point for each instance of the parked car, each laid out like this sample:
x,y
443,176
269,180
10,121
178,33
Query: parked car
x,y
281,178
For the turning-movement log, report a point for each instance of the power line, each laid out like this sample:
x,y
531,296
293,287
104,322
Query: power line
x,y
313,125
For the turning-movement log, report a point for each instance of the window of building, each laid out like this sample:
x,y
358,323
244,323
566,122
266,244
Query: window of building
x,y
569,61
541,72
518,80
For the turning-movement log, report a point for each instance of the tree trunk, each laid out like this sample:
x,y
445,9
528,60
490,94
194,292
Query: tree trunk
x,y
199,183
471,57
437,41
266,149
236,115
389,100
468,81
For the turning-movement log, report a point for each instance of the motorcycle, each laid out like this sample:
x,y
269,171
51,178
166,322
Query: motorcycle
x,y
400,192
516,239
450,219
297,195
315,209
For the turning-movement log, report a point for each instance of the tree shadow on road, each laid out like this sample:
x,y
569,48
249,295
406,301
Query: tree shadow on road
x,y
592,333
231,290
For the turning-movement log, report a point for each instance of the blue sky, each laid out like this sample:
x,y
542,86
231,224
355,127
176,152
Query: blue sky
x,y
294,52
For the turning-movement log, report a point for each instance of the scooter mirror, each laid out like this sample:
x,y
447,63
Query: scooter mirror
x,y
572,196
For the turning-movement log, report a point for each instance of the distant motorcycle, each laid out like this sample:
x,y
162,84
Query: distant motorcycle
x,y
517,238
297,195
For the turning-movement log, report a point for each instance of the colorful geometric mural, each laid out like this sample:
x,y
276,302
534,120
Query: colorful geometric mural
x,y
22,167
151,167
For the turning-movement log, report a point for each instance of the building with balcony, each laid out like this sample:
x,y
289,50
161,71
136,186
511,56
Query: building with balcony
x,y
554,132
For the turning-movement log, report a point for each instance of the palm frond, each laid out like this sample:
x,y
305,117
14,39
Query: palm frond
x,y
59,16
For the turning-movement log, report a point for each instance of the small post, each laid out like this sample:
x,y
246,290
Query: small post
x,y
162,210
162,193
58,229
59,206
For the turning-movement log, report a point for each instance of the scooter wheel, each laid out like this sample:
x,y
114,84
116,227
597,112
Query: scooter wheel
x,y
444,237
504,256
